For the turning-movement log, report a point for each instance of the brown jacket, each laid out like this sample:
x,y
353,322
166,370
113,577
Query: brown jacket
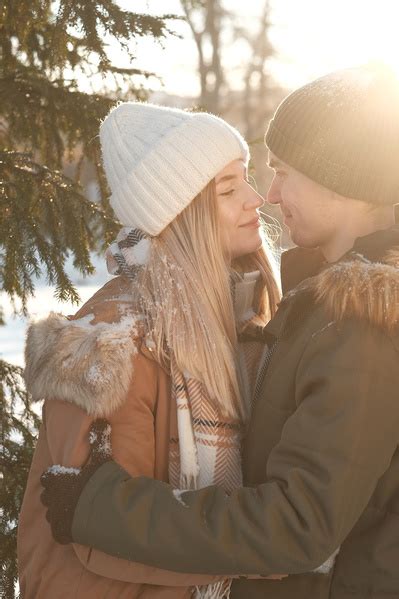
x,y
93,364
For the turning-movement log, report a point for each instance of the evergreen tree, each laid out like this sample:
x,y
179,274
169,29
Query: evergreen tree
x,y
45,48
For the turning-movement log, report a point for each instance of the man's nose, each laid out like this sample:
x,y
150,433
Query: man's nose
x,y
274,195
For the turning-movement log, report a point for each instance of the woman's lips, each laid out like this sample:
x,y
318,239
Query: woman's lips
x,y
253,224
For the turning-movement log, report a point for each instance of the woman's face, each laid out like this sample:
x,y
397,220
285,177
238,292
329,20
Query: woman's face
x,y
238,205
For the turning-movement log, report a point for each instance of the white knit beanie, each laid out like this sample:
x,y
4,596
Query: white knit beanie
x,y
158,159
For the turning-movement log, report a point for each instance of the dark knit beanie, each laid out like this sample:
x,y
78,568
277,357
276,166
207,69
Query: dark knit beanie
x,y
342,131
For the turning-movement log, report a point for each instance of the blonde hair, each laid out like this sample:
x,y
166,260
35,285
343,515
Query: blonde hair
x,y
185,294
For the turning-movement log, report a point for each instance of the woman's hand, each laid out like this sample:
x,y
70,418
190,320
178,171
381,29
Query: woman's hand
x,y
63,486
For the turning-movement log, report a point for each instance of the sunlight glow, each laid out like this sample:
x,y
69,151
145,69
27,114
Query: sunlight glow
x,y
315,37
374,33
311,38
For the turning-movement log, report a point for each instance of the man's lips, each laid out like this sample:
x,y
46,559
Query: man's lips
x,y
286,216
285,213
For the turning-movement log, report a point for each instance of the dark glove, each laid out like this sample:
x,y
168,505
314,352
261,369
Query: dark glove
x,y
63,486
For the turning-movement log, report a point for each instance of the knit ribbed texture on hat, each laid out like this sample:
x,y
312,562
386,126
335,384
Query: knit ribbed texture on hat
x,y
158,159
342,131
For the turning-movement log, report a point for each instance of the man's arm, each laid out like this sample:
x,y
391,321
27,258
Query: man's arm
x,y
320,476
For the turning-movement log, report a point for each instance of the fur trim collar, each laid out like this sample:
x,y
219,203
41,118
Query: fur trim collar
x,y
358,288
89,365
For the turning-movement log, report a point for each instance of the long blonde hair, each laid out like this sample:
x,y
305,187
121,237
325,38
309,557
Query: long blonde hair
x,y
185,294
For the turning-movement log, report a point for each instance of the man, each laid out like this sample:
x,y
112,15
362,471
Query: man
x,y
321,463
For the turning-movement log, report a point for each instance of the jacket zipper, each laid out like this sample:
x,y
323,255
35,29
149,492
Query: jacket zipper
x,y
263,369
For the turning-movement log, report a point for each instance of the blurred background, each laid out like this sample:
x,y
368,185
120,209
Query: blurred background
x,y
63,65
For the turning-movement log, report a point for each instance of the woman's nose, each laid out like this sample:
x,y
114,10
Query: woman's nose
x,y
253,200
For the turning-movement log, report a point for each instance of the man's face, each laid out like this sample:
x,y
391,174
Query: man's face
x,y
312,213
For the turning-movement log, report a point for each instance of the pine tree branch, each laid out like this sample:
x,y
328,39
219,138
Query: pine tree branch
x,y
44,218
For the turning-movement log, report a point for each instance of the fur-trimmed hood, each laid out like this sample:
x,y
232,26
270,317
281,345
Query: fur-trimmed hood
x,y
85,360
356,287
88,365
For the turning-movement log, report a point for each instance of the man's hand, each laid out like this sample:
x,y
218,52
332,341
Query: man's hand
x,y
63,486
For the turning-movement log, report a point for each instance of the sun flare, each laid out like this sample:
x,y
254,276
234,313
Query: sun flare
x,y
319,37
367,32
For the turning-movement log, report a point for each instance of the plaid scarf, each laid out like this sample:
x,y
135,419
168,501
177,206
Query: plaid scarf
x,y
206,452
208,448
128,253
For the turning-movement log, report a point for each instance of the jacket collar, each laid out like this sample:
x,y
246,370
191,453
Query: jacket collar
x,y
350,287
376,245
297,264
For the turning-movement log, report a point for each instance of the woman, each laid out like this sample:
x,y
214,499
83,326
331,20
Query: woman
x,y
156,350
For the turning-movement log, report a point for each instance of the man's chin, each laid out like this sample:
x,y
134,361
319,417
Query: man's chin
x,y
302,241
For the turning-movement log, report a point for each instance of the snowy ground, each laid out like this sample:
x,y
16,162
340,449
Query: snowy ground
x,y
12,335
